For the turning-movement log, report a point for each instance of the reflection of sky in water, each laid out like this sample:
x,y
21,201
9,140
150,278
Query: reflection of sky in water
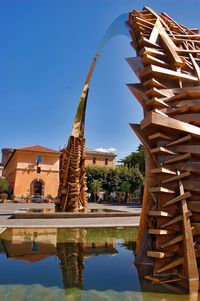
x,y
108,267
112,271
108,276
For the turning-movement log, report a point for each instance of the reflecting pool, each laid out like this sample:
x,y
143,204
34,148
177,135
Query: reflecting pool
x,y
75,265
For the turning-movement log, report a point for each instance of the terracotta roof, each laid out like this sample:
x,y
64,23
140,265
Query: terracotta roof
x,y
38,148
33,148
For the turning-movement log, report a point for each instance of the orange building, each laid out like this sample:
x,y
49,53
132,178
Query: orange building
x,y
98,158
32,170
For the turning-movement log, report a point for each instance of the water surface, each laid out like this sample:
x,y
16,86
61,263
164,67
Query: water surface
x,y
75,265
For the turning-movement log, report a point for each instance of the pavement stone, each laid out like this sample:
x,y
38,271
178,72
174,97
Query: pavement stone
x,y
7,209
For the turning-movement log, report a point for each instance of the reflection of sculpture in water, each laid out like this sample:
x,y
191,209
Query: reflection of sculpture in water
x,y
73,247
71,263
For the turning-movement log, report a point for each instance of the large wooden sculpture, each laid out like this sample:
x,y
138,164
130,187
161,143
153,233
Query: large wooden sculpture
x,y
72,189
167,64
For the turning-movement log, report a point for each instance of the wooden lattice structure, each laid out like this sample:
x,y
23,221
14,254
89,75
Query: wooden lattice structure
x,y
167,64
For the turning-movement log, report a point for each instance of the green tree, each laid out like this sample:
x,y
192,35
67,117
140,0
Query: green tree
x,y
112,178
95,188
126,189
136,159
4,185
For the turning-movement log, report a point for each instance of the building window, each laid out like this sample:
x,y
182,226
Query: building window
x,y
38,159
106,161
94,160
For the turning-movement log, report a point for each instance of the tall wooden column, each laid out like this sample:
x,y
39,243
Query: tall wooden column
x,y
167,63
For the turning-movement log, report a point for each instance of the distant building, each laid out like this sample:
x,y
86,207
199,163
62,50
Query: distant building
x,y
32,170
98,158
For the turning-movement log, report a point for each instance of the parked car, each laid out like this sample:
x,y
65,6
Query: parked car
x,y
39,199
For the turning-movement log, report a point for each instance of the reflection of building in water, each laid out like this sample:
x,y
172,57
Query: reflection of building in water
x,y
99,248
30,244
71,246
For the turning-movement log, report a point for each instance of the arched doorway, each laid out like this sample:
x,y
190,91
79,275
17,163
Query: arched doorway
x,y
37,187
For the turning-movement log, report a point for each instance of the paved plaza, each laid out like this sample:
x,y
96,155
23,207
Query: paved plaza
x,y
8,209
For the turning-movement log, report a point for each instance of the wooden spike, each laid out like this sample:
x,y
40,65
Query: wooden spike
x,y
181,176
173,241
179,141
171,265
177,159
178,199
173,221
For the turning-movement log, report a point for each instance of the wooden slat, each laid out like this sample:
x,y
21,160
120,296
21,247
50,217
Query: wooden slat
x,y
155,92
170,124
177,159
179,141
173,221
160,189
157,254
156,102
162,150
192,185
172,242
194,206
159,136
152,51
174,178
160,213
166,73
163,170
159,231
190,264
193,149
153,83
171,265
177,199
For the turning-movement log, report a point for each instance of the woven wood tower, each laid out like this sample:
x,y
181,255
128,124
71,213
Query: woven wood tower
x,y
73,187
167,65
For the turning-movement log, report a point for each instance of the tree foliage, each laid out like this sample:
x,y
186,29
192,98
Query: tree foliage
x,y
95,186
112,178
135,159
4,185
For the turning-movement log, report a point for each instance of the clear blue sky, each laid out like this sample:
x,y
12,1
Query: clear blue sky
x,y
46,50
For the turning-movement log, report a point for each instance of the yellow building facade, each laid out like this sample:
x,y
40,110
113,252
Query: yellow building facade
x,y
33,170
98,158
